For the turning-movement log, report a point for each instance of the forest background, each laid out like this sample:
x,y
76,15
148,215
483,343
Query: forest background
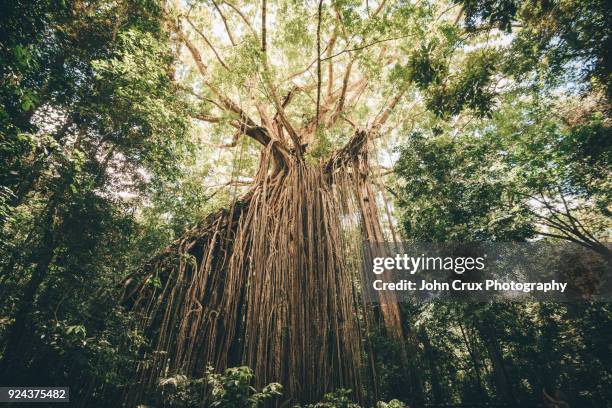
x,y
124,124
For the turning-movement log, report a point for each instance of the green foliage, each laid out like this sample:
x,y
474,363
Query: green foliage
x,y
340,398
550,36
232,389
485,179
391,404
452,191
480,184
322,146
180,391
495,12
100,168
544,345
448,92
89,116
468,90
139,101
425,68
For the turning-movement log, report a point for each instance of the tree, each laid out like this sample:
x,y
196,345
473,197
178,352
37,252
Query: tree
x,y
314,92
534,165
263,130
527,173
563,41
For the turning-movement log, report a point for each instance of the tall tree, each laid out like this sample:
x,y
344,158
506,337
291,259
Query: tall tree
x,y
269,282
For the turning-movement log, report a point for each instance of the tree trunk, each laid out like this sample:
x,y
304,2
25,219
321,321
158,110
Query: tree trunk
x,y
13,349
437,389
474,356
269,283
500,375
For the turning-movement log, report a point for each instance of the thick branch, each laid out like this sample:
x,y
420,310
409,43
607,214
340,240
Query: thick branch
x,y
310,126
381,119
280,112
244,123
348,152
292,133
195,53
287,100
207,118
342,98
319,61
330,66
379,8
263,27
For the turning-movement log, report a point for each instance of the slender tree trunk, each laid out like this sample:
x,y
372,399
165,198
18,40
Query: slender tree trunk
x,y
23,189
12,360
437,389
417,397
475,362
500,375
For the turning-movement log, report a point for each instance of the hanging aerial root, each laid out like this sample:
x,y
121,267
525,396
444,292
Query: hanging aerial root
x,y
270,283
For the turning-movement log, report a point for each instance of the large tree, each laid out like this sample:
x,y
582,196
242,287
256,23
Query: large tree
x,y
293,105
271,282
